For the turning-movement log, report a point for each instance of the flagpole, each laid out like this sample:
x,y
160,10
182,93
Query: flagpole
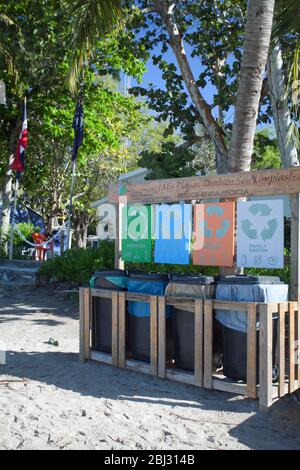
x,y
69,240
12,229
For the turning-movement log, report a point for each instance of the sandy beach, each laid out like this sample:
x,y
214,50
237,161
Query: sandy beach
x,y
49,400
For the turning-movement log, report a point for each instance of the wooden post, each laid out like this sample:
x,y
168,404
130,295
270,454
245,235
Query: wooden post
x,y
281,330
115,328
84,323
265,357
292,348
295,248
251,351
161,337
153,335
122,329
198,366
208,343
119,264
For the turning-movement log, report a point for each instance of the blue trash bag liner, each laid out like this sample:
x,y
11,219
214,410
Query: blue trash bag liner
x,y
244,292
151,284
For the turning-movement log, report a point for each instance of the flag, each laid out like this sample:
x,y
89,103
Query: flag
x,y
18,163
78,126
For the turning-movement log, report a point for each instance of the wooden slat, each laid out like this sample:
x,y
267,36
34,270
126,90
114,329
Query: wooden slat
x,y
101,357
198,366
153,335
265,357
179,376
298,344
237,306
161,337
138,366
181,303
115,328
292,348
223,384
245,184
208,343
122,329
137,297
103,294
295,248
84,336
281,343
251,351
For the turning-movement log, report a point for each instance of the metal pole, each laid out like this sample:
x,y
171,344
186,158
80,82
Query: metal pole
x,y
12,229
69,239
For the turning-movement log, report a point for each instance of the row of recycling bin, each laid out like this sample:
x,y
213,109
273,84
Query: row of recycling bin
x,y
229,328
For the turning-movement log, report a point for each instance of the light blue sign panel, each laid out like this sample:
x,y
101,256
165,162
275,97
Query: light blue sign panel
x,y
173,225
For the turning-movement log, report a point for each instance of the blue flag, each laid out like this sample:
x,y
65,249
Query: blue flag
x,y
78,126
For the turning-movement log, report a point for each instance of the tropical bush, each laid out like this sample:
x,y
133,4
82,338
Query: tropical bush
x,y
78,264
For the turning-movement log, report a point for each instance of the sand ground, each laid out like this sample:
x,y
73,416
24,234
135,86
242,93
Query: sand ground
x,y
49,400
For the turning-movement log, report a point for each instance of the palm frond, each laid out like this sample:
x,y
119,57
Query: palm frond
x,y
287,25
92,19
286,18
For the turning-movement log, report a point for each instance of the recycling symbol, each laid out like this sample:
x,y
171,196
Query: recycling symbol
x,y
269,229
225,224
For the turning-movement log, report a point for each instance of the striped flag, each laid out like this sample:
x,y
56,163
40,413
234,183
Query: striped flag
x,y
78,126
18,163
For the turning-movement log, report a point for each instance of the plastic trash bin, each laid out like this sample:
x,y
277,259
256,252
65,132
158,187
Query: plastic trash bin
x,y
234,323
151,284
115,280
201,287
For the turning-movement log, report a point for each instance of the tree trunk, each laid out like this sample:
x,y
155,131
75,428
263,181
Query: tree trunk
x,y
80,233
256,46
280,109
7,188
215,132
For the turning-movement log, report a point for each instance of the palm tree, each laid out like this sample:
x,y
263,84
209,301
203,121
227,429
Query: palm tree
x,y
91,20
286,25
256,46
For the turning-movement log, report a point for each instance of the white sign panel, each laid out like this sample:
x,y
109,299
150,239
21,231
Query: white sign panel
x,y
260,236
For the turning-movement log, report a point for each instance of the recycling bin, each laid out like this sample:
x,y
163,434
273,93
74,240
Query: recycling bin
x,y
234,323
200,287
151,284
115,280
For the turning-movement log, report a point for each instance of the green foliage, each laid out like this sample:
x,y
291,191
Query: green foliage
x,y
266,153
77,265
26,229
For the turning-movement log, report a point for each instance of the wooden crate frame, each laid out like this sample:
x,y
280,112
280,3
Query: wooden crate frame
x,y
118,356
204,376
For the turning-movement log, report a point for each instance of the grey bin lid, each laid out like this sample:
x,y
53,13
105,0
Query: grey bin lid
x,y
250,280
200,280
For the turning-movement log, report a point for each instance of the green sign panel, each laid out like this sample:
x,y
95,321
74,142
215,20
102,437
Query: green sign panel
x,y
136,233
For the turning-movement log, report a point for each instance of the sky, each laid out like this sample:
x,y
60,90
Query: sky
x,y
154,76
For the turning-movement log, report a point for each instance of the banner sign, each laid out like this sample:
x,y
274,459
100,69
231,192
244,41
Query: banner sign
x,y
136,233
214,234
173,227
230,185
260,234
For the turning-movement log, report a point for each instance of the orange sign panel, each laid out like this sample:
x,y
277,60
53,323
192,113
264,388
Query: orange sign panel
x,y
214,234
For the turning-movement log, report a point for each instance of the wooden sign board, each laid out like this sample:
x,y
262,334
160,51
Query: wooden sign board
x,y
227,186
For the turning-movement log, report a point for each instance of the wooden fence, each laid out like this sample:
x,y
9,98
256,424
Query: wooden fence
x,y
288,337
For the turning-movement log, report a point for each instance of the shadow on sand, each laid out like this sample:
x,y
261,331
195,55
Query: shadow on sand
x,y
277,429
